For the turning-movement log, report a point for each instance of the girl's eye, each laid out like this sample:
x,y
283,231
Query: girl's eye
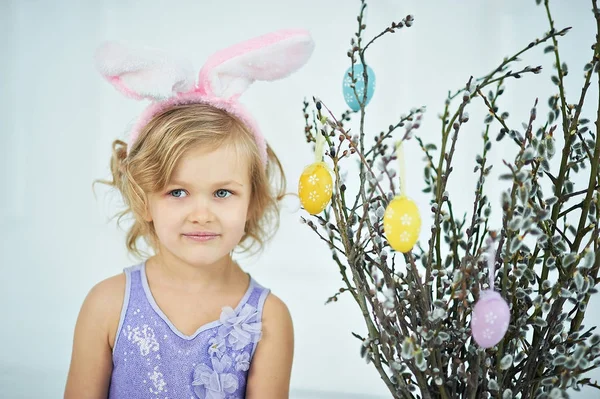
x,y
179,193
222,193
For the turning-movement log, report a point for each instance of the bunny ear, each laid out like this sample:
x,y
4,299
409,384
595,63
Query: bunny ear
x,y
143,73
229,72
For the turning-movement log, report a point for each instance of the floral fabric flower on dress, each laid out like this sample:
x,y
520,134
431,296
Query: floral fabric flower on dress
x,y
215,382
217,346
242,362
240,328
237,330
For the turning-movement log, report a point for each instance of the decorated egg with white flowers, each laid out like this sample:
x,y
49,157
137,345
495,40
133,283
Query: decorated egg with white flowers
x,y
350,96
490,319
402,223
315,187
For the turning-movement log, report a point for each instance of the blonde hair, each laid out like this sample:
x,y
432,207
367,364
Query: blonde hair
x,y
164,140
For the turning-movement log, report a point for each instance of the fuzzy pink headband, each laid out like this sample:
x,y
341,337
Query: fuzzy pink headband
x,y
152,74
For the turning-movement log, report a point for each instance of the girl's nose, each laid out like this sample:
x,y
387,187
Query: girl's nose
x,y
202,212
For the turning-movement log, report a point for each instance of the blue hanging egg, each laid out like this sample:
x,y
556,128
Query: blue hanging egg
x,y
349,96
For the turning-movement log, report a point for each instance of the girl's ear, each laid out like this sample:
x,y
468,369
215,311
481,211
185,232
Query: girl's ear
x,y
250,215
147,214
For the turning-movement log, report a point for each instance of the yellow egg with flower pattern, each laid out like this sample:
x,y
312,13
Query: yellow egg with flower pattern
x,y
402,223
315,187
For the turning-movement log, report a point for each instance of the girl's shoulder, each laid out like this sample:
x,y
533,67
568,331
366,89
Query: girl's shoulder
x,y
272,361
91,359
110,291
105,301
276,313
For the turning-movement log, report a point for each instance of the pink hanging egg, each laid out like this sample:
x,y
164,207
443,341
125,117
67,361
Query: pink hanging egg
x,y
490,319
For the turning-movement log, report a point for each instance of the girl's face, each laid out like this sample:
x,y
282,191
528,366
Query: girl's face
x,y
201,215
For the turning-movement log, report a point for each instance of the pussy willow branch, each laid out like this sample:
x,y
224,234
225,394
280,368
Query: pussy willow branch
x,y
560,180
354,260
506,231
596,157
563,168
441,184
362,53
594,173
361,299
563,101
482,173
434,241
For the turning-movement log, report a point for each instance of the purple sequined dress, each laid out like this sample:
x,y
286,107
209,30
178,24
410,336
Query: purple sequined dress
x,y
152,359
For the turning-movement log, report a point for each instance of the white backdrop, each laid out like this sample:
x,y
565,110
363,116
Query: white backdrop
x,y
58,119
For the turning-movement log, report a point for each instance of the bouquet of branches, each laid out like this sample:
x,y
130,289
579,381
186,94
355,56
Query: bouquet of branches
x,y
476,311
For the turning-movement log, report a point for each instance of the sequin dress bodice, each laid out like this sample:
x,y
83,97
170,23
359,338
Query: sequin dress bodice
x,y
152,359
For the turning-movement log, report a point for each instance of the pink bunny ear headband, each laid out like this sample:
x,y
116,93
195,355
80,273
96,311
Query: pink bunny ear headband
x,y
151,74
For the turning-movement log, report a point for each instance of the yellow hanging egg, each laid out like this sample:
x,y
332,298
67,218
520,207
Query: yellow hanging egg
x,y
402,223
315,187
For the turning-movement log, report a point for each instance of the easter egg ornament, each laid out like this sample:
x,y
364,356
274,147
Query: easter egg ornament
x,y
316,185
353,100
401,220
491,314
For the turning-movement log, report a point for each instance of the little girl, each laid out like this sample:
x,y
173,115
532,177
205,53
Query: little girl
x,y
197,178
